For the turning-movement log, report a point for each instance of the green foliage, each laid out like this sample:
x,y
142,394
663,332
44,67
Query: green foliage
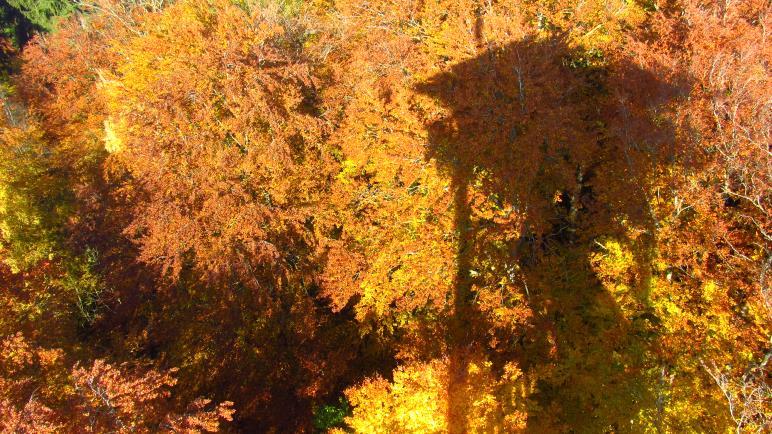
x,y
14,26
43,13
331,416
83,281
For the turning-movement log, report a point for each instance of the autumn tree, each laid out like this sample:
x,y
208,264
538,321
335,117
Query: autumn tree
x,y
492,216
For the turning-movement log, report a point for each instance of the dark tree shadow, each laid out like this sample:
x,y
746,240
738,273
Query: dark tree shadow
x,y
549,150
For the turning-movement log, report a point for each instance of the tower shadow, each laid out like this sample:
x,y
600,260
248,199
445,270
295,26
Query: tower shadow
x,y
548,149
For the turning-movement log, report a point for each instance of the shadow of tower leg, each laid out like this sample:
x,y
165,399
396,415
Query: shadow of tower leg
x,y
461,336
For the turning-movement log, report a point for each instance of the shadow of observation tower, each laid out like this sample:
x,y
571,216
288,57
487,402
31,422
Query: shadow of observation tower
x,y
546,153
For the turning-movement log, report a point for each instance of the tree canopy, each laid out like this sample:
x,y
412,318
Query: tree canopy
x,y
391,216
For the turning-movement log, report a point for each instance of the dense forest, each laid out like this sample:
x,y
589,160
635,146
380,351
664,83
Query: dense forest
x,y
385,216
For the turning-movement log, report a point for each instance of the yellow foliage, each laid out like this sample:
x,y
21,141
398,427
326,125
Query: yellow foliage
x,y
417,401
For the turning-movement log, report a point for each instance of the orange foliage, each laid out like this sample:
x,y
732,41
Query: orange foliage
x,y
114,400
489,216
